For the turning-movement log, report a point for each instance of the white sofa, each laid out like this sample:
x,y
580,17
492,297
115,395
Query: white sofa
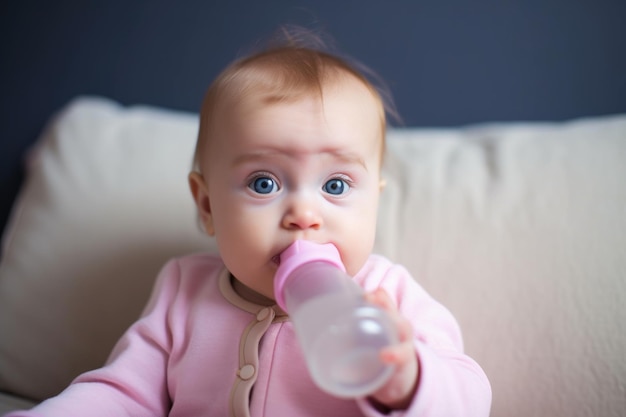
x,y
519,228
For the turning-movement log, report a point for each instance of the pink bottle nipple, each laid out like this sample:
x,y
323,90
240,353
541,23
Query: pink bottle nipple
x,y
299,253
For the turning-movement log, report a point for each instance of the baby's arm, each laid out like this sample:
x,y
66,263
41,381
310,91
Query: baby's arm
x,y
433,375
133,383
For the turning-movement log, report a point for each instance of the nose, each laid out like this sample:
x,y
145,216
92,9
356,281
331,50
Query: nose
x,y
302,214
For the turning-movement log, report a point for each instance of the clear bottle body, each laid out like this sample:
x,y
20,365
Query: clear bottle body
x,y
340,333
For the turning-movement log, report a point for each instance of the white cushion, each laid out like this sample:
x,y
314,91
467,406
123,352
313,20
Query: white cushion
x,y
105,204
518,228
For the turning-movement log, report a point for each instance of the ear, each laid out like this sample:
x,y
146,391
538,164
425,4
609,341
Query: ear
x,y
200,193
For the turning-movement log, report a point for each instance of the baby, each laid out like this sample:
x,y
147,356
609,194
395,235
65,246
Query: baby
x,y
290,147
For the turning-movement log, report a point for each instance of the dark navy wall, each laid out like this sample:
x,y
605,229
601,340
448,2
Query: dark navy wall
x,y
448,62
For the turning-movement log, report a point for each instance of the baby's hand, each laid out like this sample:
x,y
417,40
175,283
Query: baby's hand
x,y
399,391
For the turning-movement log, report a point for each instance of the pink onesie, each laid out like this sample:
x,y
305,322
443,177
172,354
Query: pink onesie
x,y
203,348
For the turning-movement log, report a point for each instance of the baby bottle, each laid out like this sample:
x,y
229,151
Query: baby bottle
x,y
340,333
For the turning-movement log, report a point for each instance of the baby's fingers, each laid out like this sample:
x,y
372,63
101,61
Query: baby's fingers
x,y
381,299
403,352
398,392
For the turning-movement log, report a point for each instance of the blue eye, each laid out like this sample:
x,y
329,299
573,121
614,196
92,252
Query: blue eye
x,y
263,185
336,186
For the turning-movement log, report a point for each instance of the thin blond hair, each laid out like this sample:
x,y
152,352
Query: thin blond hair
x,y
285,71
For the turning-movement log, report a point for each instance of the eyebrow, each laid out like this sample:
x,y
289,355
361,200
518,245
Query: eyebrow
x,y
346,157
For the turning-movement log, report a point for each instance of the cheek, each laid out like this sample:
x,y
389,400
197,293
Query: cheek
x,y
356,252
234,215
356,239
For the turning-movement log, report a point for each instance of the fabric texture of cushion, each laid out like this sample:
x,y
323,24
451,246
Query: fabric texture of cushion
x,y
106,203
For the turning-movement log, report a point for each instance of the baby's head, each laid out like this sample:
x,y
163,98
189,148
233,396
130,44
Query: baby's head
x,y
281,74
290,147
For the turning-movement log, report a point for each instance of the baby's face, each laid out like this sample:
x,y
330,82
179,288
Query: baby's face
x,y
302,169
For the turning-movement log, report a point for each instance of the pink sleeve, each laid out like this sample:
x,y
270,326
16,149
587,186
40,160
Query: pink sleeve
x,y
133,383
450,382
